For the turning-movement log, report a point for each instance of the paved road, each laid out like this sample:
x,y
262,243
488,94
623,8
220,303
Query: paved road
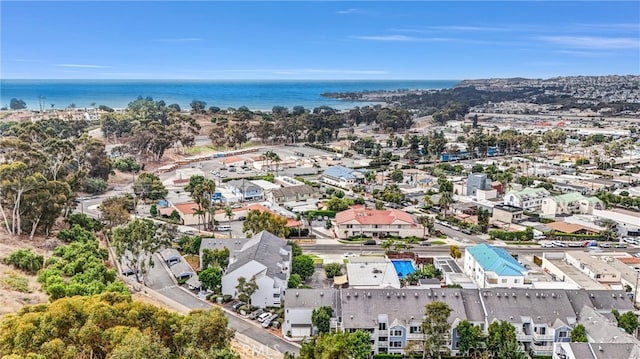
x,y
158,279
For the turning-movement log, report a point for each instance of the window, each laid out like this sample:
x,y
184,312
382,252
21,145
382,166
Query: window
x,y
562,334
375,226
276,295
382,326
415,330
516,280
598,276
397,333
504,280
395,344
399,226
349,225
382,339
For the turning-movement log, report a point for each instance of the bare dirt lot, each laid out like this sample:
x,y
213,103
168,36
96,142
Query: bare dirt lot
x,y
17,288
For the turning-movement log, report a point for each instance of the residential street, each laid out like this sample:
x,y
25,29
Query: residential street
x,y
159,279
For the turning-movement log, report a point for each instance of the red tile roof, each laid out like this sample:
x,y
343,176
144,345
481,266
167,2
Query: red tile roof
x,y
372,216
186,208
629,260
231,159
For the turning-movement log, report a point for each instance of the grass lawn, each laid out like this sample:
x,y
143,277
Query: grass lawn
x,y
196,150
526,243
435,243
193,260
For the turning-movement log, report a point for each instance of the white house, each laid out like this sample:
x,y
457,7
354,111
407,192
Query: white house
x,y
342,176
265,257
570,203
529,199
492,267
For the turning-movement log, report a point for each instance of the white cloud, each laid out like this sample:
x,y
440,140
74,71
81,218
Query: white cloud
x,y
348,11
84,66
593,42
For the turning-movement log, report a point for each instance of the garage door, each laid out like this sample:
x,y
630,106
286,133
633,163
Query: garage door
x,y
301,331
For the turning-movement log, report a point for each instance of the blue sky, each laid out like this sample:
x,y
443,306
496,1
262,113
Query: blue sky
x,y
317,40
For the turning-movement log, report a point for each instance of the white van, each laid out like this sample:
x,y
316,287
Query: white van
x,y
224,228
263,316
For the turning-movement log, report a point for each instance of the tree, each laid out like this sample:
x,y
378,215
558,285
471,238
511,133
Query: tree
x,y
149,186
469,336
17,104
258,221
204,329
135,244
211,278
294,281
228,212
136,345
579,334
333,270
454,251
627,321
303,266
215,258
115,210
321,317
510,350
427,223
198,106
436,328
338,345
245,289
397,176
483,219
500,333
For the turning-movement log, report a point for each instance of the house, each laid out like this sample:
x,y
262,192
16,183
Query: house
x,y
371,272
266,258
505,214
299,306
292,194
529,199
188,213
570,203
246,190
477,181
341,176
492,267
360,221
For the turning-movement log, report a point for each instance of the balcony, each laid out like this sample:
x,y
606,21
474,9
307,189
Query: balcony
x,y
523,337
543,337
415,336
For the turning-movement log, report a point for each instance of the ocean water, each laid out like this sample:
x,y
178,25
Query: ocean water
x,y
256,95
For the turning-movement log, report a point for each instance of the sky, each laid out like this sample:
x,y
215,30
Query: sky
x,y
372,40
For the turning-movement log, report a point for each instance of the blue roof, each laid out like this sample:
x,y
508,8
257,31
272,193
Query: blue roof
x,y
340,171
496,260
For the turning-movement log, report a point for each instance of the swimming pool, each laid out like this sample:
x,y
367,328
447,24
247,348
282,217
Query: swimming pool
x,y
403,267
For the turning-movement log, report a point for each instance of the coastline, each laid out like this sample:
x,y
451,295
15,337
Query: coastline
x,y
257,95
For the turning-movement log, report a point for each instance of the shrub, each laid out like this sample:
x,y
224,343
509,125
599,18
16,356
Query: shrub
x,y
25,260
126,164
95,185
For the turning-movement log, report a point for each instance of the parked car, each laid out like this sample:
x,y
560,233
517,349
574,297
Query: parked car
x,y
350,254
236,306
223,228
547,245
370,242
620,245
262,317
425,243
267,322
255,314
605,245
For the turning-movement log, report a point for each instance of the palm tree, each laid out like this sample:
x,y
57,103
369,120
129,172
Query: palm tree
x,y
446,198
228,212
276,158
426,222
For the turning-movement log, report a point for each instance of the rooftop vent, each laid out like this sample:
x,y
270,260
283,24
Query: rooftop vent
x,y
498,294
351,316
402,294
553,295
388,294
398,294
348,294
416,294
355,294
513,294
526,294
369,294
456,294
321,294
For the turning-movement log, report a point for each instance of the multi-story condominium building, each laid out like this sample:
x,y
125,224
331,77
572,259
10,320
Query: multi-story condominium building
x,y
570,203
529,199
393,317
358,220
492,267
